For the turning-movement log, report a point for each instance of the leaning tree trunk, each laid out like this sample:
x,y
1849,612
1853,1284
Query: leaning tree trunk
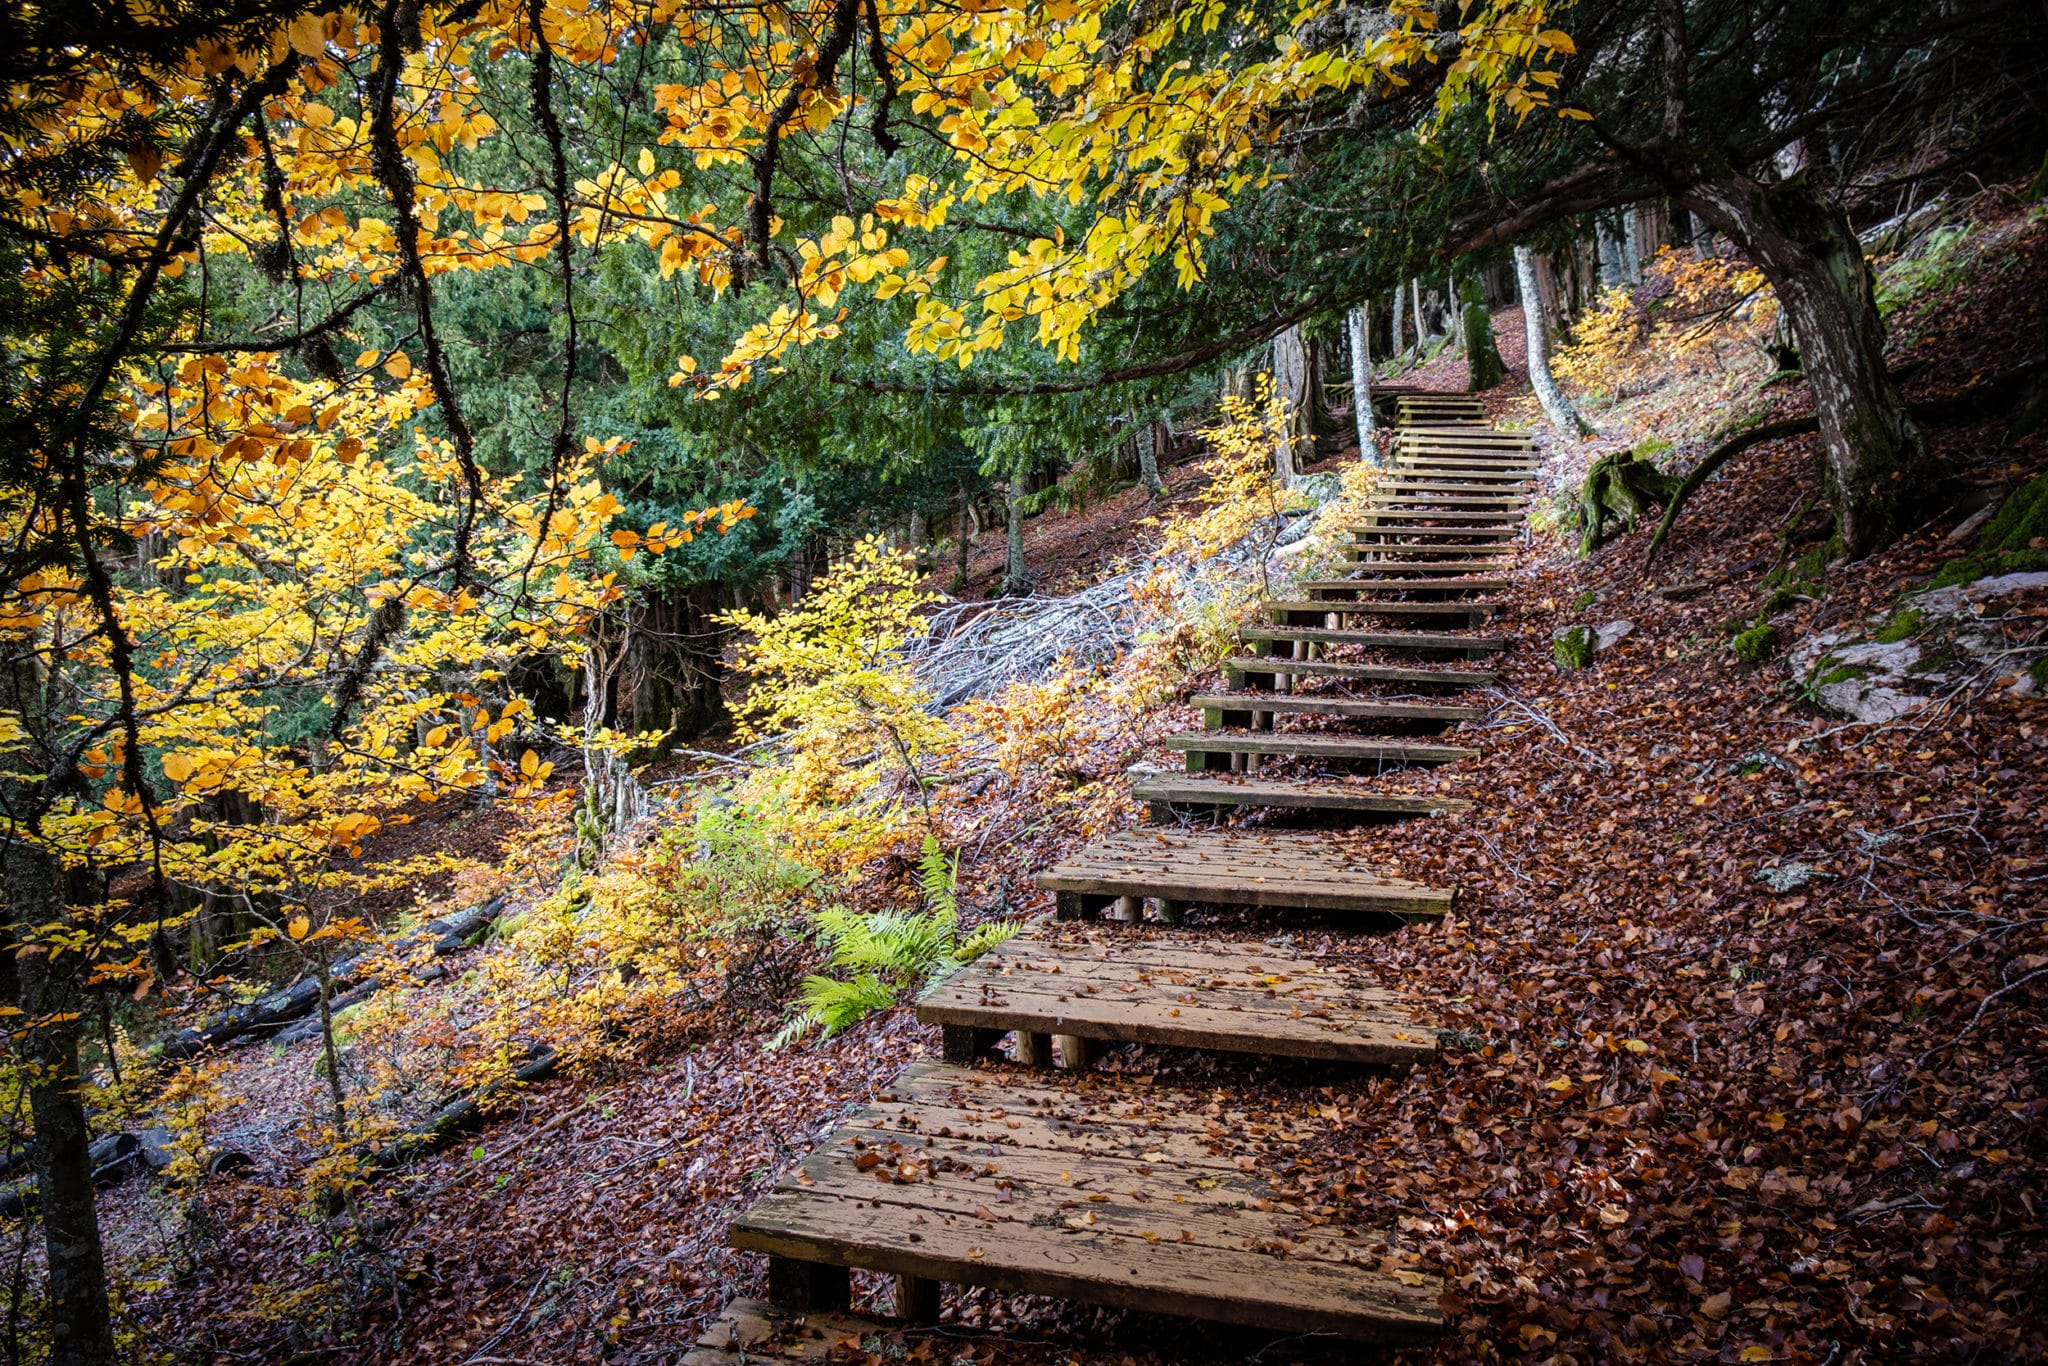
x,y
1294,381
1564,418
1880,467
1359,323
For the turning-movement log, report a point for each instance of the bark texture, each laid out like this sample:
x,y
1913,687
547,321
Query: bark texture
x,y
1879,464
1482,356
1564,418
1294,380
1359,323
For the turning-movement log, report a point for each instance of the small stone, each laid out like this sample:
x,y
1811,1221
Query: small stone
x,y
1611,635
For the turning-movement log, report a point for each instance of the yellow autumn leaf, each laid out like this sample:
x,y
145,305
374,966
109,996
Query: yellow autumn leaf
x,y
308,35
178,768
299,927
528,763
398,366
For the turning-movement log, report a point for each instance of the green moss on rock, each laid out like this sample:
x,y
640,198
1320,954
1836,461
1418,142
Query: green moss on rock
x,y
1757,644
2013,542
1573,649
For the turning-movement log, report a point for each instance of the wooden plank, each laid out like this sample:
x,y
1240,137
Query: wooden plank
x,y
1477,533
1254,666
1381,640
1316,745
1097,1261
1474,611
1381,515
1292,794
1108,992
1354,708
1441,585
1213,868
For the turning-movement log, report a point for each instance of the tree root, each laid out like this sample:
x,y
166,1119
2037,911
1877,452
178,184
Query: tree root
x,y
1982,398
1619,488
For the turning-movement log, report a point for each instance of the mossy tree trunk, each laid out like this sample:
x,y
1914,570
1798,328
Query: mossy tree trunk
x,y
1619,490
1481,354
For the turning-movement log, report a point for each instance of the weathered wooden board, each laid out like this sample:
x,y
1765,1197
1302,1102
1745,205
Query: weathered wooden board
x,y
1241,667
1221,995
1266,868
1288,794
1352,708
1378,640
1315,745
1380,516
957,1190
1446,584
1472,610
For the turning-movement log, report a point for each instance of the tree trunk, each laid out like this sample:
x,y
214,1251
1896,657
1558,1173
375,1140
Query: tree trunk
x,y
963,537
1415,309
81,1331
920,538
1394,347
1482,355
1879,465
1631,246
1612,276
1294,381
1016,578
1148,459
1564,419
1359,322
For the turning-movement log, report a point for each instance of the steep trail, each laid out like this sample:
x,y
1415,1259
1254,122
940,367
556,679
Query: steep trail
x,y
975,1171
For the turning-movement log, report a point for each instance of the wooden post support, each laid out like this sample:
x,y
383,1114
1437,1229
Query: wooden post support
x,y
1158,813
1033,1050
1169,911
1076,1052
802,1287
917,1300
966,1044
1129,909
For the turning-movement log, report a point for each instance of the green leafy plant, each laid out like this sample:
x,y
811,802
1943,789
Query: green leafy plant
x,y
885,954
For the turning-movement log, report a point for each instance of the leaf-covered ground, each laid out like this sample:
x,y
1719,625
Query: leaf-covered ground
x,y
1748,1008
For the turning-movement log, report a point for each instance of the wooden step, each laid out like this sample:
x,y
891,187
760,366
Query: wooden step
x,y
984,1181
1482,481
1383,513
1377,640
1221,995
1442,585
1449,495
1281,869
1434,491
1211,751
1227,704
1446,567
1167,791
1238,668
1398,534
1474,610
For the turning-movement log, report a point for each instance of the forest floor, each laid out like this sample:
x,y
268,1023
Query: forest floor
x,y
1748,1006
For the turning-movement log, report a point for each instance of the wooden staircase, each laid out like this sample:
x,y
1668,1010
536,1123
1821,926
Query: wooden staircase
x,y
1117,1193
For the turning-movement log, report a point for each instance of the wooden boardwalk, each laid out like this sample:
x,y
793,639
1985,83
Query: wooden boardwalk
x,y
989,1170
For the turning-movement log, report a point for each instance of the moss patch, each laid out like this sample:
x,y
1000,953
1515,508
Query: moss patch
x,y
1574,648
2014,542
1757,644
1904,623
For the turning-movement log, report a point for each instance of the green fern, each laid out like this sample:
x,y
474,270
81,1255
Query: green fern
x,y
889,953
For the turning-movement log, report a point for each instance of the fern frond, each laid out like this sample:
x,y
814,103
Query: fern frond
x,y
985,937
939,878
